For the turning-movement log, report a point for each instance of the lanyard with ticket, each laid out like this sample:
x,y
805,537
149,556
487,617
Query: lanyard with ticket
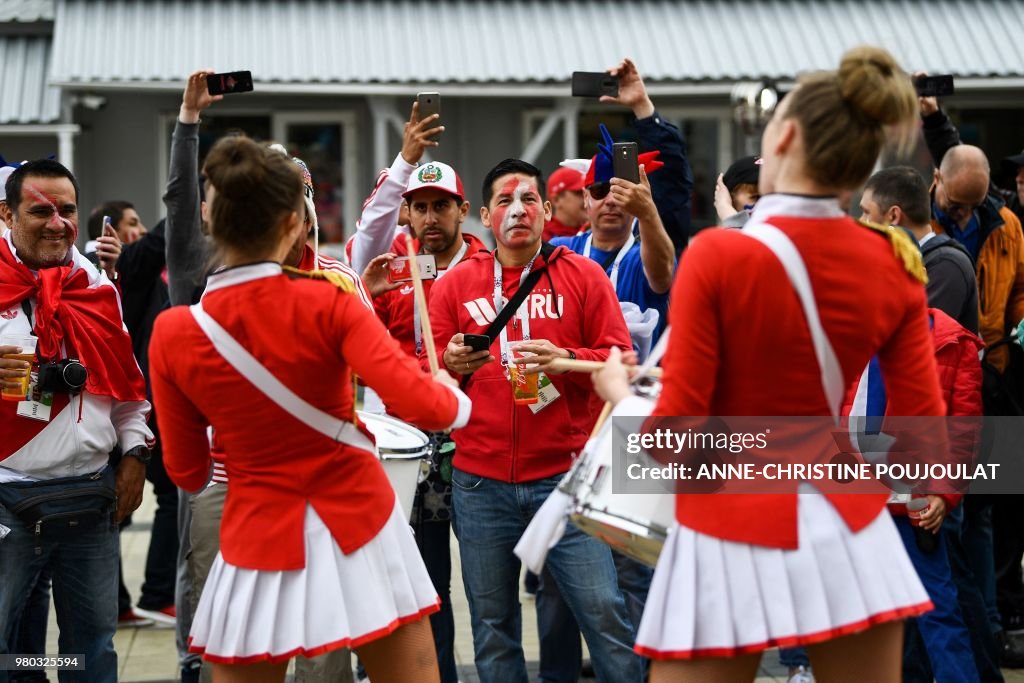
x,y
499,304
614,274
417,331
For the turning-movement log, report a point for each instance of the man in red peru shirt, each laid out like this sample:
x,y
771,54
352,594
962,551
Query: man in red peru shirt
x,y
510,457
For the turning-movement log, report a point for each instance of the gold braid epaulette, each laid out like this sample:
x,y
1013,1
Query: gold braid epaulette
x,y
342,283
905,250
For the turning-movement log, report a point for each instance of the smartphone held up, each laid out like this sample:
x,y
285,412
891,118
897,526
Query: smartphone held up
x,y
229,83
626,162
934,86
429,103
594,84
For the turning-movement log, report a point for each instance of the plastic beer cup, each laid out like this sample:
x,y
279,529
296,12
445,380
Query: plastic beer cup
x,y
525,387
27,352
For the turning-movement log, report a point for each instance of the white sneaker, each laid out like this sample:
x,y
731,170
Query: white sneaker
x,y
802,675
163,618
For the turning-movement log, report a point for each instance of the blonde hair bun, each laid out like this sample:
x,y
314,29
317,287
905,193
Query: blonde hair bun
x,y
875,87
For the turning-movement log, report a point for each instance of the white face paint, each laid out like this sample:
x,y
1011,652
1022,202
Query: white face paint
x,y
516,210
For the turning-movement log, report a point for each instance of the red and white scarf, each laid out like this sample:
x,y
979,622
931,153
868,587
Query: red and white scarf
x,y
77,308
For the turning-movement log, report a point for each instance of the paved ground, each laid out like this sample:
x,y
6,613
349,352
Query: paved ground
x,y
148,654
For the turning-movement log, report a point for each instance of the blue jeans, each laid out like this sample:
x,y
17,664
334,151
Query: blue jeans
x,y
30,633
979,545
945,636
561,654
83,563
434,542
916,665
794,657
490,516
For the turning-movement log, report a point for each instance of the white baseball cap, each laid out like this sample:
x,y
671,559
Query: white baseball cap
x,y
436,175
5,173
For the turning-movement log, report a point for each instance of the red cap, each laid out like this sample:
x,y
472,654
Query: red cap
x,y
564,180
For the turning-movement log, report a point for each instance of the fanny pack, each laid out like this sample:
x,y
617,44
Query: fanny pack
x,y
67,503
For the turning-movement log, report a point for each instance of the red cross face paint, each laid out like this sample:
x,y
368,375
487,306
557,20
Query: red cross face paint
x,y
517,212
46,223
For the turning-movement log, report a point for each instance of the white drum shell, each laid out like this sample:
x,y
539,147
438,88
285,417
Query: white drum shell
x,y
402,449
634,524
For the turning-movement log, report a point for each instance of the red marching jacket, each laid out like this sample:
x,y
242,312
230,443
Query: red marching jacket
x,y
740,345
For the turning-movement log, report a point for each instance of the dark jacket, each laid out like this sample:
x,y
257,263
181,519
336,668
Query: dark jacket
x,y
952,286
1000,264
672,185
143,289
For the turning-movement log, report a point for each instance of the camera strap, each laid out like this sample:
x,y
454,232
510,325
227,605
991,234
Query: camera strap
x,y
252,370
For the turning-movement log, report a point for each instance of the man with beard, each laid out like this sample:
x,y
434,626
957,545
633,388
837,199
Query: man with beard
x,y
437,210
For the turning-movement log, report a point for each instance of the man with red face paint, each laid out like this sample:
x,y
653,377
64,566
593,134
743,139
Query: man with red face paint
x,y
58,435
511,456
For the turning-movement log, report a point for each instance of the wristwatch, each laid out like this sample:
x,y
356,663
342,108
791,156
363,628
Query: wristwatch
x,y
140,453
572,354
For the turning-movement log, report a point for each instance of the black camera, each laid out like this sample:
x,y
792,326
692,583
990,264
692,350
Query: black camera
x,y
66,376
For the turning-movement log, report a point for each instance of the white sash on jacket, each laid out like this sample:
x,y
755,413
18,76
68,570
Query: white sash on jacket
x,y
261,378
784,249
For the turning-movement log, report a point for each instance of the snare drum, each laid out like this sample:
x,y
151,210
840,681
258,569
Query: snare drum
x,y
402,449
634,524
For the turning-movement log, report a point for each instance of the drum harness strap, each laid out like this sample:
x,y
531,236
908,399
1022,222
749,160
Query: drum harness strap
x,y
261,378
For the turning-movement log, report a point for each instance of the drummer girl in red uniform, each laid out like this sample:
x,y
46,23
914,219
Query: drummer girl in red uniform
x,y
316,553
742,573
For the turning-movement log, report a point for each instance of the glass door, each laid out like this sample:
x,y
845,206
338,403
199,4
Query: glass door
x,y
326,142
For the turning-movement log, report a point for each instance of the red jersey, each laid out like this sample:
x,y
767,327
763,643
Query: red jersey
x,y
740,345
574,307
395,308
311,336
312,261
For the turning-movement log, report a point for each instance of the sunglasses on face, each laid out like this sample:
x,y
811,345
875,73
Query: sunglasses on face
x,y
599,191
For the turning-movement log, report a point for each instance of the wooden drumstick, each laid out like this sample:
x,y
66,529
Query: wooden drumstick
x,y
421,303
593,366
605,412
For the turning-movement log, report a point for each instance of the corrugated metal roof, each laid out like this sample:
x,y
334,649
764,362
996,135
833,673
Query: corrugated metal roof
x,y
524,41
24,65
26,10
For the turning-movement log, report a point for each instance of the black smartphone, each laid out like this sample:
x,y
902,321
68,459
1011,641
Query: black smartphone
x,y
624,161
229,83
594,84
934,86
430,104
477,342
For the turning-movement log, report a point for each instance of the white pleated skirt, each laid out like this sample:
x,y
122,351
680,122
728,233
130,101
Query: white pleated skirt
x,y
715,598
337,600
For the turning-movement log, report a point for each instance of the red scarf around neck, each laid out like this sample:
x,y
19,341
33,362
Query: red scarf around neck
x,y
85,319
